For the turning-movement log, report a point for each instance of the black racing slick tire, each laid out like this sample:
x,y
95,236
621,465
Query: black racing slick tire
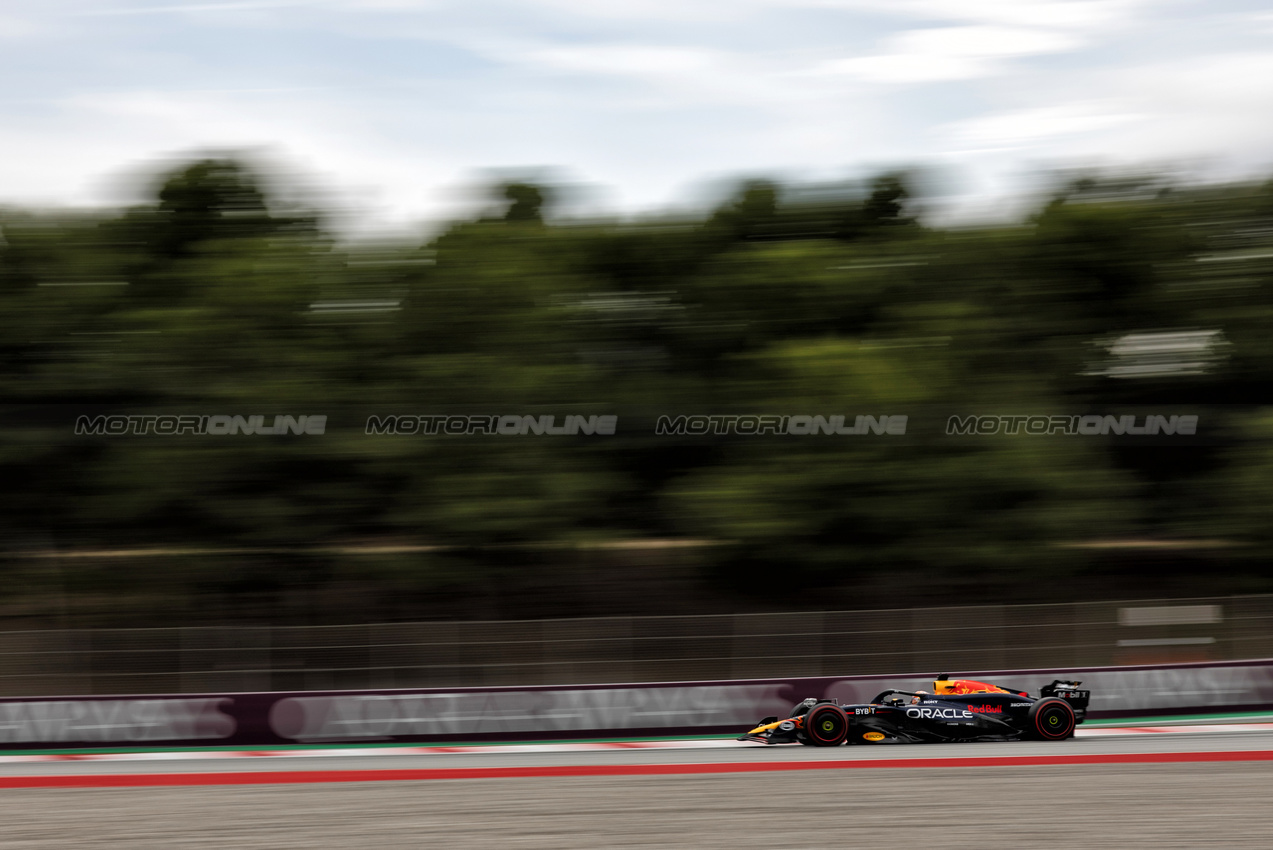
x,y
826,725
1051,719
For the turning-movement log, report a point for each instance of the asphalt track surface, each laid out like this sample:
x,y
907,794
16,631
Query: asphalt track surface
x,y
984,795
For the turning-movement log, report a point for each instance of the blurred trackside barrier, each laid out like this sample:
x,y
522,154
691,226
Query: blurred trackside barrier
x,y
466,654
581,712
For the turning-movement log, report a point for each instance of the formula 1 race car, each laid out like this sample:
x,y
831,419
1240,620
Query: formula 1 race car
x,y
957,710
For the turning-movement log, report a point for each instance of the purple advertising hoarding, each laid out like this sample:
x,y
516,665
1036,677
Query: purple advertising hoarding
x,y
441,715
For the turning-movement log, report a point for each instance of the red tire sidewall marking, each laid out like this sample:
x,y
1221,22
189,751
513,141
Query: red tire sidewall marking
x,y
1050,735
821,710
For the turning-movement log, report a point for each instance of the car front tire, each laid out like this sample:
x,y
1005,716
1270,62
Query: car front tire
x,y
826,725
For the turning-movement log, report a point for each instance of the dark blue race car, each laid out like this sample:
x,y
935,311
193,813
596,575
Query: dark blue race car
x,y
957,710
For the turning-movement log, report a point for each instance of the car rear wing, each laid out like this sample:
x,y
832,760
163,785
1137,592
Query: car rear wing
x,y
1069,691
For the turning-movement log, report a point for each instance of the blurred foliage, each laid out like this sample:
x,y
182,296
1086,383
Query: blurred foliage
x,y
787,300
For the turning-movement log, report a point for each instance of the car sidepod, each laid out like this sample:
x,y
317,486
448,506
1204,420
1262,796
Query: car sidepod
x,y
973,717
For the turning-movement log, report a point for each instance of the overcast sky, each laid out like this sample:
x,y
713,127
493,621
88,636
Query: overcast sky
x,y
391,105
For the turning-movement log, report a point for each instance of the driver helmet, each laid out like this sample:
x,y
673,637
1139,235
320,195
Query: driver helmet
x,y
918,698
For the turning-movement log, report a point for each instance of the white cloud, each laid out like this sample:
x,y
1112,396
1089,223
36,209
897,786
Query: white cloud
x,y
1207,82
190,8
626,60
950,53
664,77
1073,14
1034,125
16,27
1064,14
1067,14
1200,106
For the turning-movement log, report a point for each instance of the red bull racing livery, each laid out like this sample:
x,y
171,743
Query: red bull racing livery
x,y
956,710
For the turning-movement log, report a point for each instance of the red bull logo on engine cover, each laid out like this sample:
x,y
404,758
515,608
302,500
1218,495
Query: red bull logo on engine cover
x,y
986,709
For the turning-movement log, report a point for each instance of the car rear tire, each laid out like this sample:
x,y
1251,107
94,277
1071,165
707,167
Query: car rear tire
x,y
826,725
1051,719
